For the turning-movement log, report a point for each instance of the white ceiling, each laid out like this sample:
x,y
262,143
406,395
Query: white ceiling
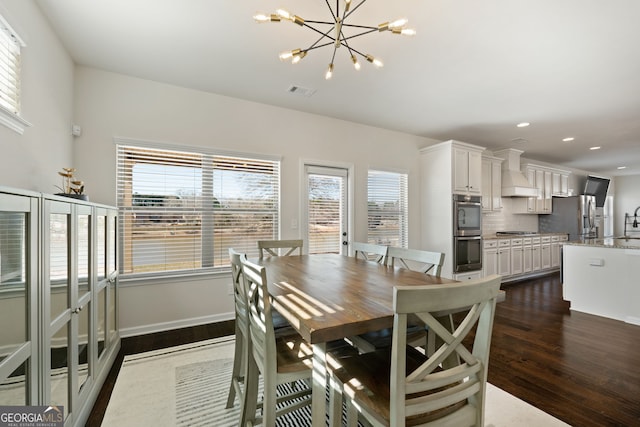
x,y
474,70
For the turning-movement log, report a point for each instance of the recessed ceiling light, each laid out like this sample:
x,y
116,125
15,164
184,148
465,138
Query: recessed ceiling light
x,y
569,139
622,167
594,148
523,124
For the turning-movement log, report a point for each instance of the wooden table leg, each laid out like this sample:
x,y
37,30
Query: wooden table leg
x,y
319,386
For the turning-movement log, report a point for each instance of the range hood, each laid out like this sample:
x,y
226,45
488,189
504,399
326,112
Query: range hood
x,y
514,183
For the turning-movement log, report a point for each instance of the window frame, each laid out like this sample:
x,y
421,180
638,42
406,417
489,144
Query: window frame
x,y
207,257
13,119
403,205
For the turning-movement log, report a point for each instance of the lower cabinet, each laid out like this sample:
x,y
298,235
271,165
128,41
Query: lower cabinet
x,y
72,337
520,257
517,256
504,257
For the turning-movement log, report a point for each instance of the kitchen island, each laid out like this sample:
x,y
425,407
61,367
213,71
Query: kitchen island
x,y
602,277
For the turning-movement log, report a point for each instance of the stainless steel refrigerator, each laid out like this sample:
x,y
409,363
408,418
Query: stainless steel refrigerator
x,y
575,215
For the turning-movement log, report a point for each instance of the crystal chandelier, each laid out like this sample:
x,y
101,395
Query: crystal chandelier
x,y
333,33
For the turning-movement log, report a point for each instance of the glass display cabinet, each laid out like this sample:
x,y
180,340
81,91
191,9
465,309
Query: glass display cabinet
x,y
65,337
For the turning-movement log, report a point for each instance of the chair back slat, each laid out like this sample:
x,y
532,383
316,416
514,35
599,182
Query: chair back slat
x,y
423,261
370,252
270,248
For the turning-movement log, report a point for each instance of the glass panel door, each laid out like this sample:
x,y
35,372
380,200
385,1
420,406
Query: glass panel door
x,y
18,299
326,210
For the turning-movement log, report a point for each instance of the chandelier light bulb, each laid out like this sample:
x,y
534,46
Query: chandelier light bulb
x,y
298,57
375,61
329,72
283,14
289,54
398,23
409,32
356,64
347,5
262,17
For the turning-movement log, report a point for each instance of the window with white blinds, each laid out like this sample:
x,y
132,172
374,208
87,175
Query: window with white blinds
x,y
182,211
9,68
388,208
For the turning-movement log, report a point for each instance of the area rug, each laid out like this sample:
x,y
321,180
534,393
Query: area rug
x,y
188,385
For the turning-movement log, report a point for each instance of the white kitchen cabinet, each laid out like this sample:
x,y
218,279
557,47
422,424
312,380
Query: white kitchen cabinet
x,y
560,183
545,252
549,182
467,171
491,183
504,257
490,257
516,256
555,251
446,169
527,255
536,254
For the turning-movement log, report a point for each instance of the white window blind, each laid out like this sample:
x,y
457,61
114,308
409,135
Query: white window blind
x,y
183,210
325,207
9,68
388,209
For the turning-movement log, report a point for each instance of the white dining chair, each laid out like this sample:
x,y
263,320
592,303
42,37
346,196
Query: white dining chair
x,y
241,329
369,252
279,247
281,326
425,390
416,260
278,360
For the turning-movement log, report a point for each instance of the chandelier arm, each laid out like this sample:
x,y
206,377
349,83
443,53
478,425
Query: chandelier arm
x,y
313,47
320,32
358,35
368,27
354,9
358,52
333,15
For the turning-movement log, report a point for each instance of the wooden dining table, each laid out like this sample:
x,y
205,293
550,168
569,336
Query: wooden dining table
x,y
328,297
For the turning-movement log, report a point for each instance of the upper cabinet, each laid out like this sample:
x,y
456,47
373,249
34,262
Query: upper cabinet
x,y
491,183
467,169
549,182
560,183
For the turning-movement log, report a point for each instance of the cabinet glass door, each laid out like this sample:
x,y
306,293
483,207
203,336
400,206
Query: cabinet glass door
x,y
18,303
57,281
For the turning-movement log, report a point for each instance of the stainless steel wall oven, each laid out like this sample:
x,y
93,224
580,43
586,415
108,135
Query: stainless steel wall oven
x,y
467,231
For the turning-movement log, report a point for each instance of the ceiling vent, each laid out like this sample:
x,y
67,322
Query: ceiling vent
x,y
301,91
514,183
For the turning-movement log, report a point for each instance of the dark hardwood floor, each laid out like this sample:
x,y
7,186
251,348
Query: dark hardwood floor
x,y
582,369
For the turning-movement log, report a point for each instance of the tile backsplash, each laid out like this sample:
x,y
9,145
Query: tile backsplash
x,y
506,220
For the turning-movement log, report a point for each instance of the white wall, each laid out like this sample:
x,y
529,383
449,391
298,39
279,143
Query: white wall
x,y
109,105
32,160
627,200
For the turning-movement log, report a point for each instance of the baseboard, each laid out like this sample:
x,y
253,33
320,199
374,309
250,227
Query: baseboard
x,y
167,326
